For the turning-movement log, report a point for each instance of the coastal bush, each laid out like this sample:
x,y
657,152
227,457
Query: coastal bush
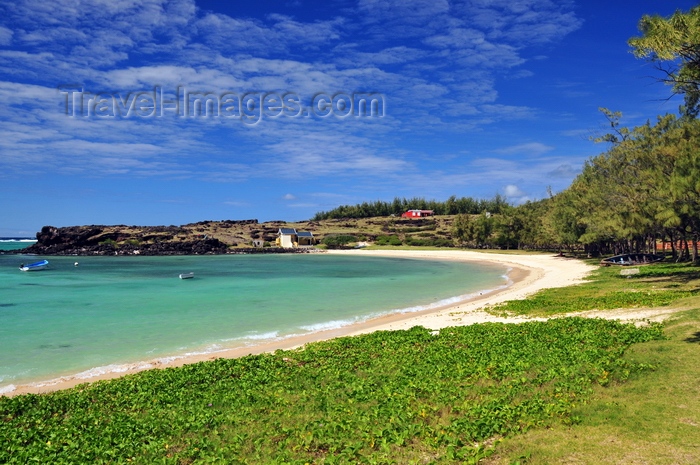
x,y
385,397
428,242
336,240
388,240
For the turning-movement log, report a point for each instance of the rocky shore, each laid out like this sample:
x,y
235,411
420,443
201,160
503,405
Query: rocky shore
x,y
149,240
238,236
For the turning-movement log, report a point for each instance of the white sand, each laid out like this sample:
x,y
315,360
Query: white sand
x,y
542,272
529,274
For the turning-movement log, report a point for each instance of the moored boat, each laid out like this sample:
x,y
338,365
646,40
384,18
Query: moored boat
x,y
632,259
34,266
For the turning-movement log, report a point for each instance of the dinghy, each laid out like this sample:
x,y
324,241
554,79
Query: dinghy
x,y
34,266
632,259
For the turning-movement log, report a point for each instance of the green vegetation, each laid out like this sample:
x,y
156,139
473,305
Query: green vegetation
x,y
451,206
645,188
672,43
654,417
388,397
654,286
643,191
388,240
568,390
428,242
337,240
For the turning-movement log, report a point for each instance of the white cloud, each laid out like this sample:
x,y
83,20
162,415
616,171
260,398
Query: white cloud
x,y
565,171
416,12
443,78
278,35
236,203
511,190
523,21
5,36
530,148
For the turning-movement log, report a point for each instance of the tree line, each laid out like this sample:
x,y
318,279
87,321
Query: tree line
x,y
646,187
644,190
398,206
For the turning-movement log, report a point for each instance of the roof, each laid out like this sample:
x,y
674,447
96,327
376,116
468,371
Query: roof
x,y
304,234
287,231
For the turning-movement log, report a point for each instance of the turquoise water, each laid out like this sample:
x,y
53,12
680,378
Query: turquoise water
x,y
15,244
111,311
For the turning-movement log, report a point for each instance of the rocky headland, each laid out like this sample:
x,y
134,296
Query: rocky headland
x,y
236,236
207,237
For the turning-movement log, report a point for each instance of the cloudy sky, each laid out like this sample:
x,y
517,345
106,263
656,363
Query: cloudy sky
x,y
174,111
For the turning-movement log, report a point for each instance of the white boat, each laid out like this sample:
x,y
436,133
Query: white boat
x,y
186,275
34,266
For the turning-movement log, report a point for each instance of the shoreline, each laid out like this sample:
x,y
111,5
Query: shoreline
x,y
527,274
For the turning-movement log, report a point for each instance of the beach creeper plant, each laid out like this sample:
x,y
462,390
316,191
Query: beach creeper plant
x,y
403,397
606,289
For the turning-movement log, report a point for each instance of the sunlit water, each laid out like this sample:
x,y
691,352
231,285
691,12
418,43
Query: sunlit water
x,y
111,311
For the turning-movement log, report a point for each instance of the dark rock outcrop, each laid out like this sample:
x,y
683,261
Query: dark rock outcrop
x,y
91,240
149,240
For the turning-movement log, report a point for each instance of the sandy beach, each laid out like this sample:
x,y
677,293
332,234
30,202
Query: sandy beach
x,y
527,275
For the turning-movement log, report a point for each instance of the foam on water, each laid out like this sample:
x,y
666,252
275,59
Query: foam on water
x,y
330,325
7,389
272,335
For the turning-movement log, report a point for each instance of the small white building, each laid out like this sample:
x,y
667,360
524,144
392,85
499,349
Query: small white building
x,y
289,238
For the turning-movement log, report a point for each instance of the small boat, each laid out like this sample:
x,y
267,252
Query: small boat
x,y
34,266
186,275
632,259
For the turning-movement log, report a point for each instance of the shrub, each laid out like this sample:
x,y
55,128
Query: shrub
x,y
388,240
336,240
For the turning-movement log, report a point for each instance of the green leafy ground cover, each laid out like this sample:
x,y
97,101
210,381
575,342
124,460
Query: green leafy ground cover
x,y
654,286
652,418
389,397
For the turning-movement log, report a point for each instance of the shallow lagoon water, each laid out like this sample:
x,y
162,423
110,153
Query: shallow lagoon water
x,y
111,311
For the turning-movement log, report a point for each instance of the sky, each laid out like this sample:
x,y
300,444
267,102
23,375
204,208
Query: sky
x,y
160,112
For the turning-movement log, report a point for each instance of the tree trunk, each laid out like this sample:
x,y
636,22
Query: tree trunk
x,y
674,252
685,254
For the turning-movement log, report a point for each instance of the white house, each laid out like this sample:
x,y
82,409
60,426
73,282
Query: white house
x,y
290,238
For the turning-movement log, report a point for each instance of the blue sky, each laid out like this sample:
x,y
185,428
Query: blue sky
x,y
473,98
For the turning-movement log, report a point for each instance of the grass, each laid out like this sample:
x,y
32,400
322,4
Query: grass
x,y
655,286
653,418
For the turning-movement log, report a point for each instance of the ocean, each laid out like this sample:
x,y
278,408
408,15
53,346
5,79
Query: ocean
x,y
109,312
14,243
